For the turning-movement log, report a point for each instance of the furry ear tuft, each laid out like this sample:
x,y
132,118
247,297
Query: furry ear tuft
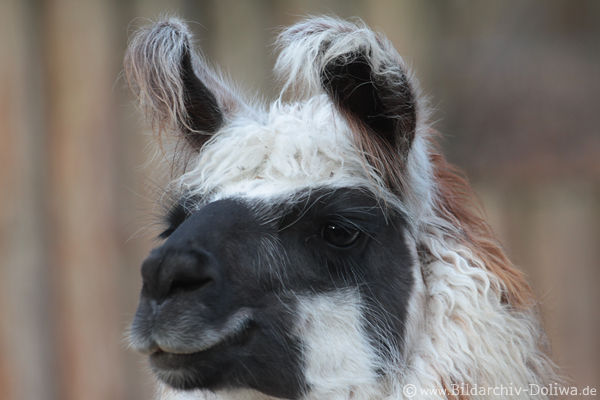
x,y
159,66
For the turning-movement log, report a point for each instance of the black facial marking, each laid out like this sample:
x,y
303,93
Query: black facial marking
x,y
377,262
214,266
205,272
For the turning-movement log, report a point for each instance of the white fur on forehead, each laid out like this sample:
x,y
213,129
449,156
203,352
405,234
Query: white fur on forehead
x,y
295,146
301,146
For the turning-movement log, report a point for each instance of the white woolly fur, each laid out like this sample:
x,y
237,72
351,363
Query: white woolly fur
x,y
293,146
459,330
470,335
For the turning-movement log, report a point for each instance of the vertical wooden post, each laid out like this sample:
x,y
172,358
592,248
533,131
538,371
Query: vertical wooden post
x,y
82,191
25,332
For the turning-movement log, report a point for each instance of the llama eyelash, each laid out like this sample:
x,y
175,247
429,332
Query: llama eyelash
x,y
173,218
177,213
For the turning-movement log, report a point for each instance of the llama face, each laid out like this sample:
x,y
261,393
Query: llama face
x,y
267,295
289,265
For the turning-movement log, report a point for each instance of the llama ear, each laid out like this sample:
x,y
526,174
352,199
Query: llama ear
x,y
176,89
380,100
361,72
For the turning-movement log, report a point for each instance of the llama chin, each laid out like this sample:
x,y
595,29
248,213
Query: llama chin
x,y
320,247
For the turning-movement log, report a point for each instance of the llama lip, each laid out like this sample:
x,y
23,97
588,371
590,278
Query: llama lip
x,y
169,340
164,358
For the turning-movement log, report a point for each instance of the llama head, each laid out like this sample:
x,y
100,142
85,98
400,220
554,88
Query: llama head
x,y
290,262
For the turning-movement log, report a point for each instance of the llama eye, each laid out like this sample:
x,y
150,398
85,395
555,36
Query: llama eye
x,y
339,236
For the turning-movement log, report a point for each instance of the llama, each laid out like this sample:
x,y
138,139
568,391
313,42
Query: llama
x,y
320,247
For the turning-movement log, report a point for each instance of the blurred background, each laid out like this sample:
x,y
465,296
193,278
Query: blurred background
x,y
515,86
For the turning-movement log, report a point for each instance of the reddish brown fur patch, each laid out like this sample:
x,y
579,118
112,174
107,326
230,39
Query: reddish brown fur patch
x,y
380,154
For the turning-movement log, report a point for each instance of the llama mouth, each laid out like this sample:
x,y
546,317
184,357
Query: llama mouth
x,y
166,359
173,340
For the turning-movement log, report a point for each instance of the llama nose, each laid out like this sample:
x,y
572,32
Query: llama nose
x,y
167,272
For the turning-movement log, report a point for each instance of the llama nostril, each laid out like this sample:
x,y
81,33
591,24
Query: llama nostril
x,y
169,272
184,284
150,275
187,272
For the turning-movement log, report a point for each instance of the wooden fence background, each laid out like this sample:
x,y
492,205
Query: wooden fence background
x,y
515,87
